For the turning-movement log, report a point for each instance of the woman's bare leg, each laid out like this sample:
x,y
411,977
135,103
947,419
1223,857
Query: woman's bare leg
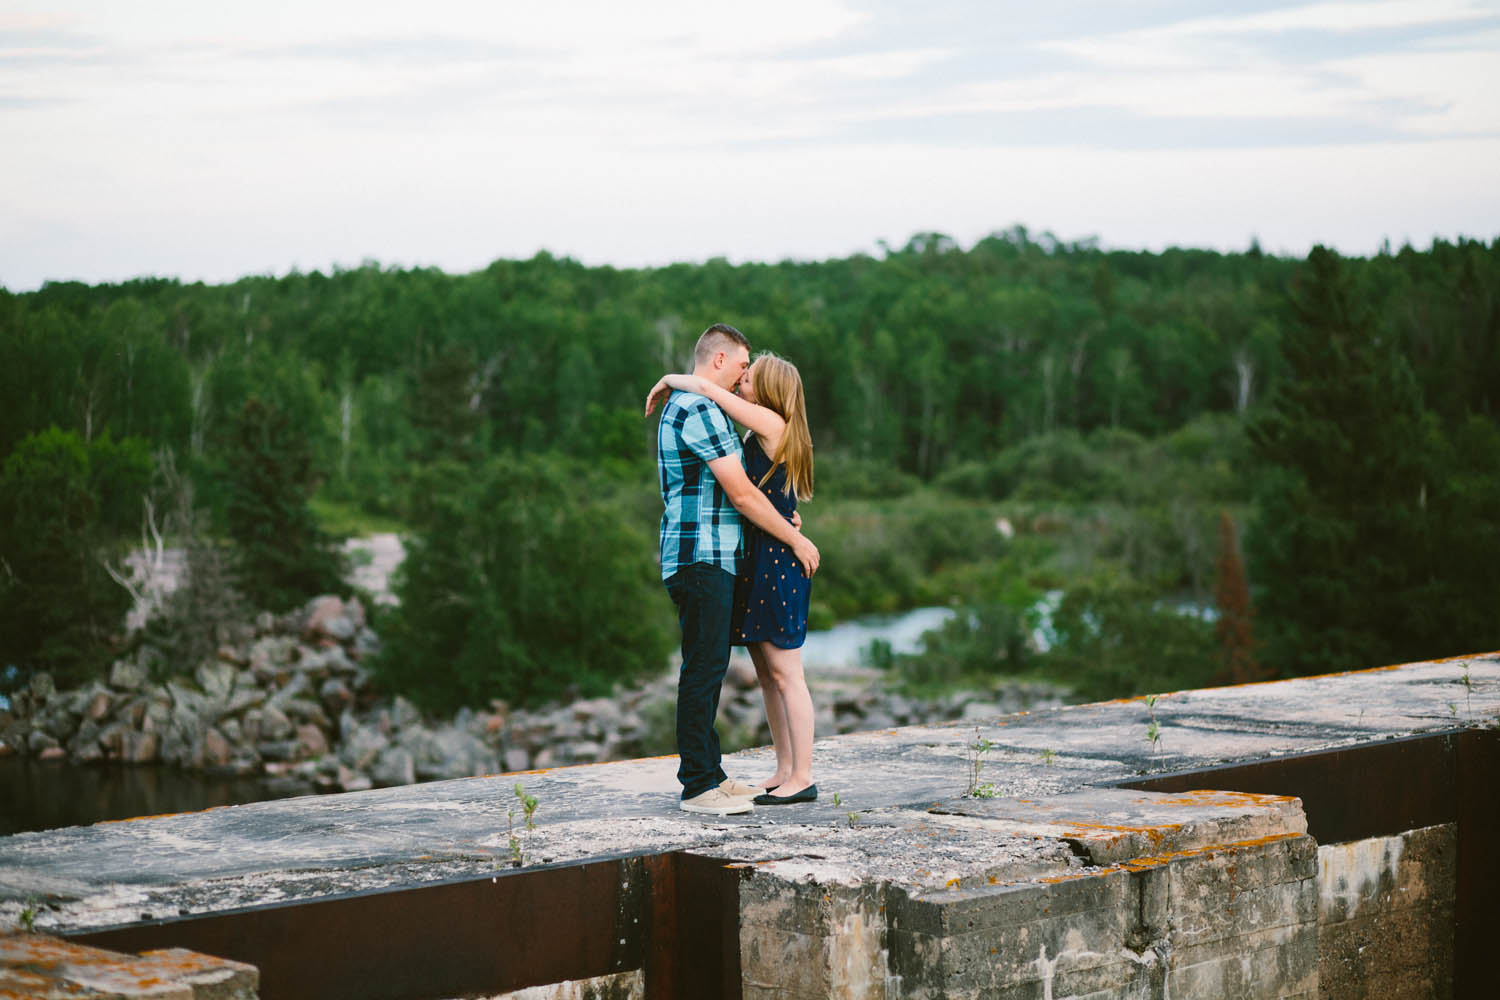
x,y
775,716
785,669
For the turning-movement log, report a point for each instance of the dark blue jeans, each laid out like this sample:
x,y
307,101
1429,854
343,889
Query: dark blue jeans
x,y
704,596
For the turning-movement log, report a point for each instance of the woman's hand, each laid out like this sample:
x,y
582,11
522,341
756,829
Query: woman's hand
x,y
658,394
667,384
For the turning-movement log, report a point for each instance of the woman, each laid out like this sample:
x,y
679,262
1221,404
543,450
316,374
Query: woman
x,y
771,593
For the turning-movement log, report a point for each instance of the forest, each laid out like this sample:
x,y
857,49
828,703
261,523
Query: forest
x,y
1186,467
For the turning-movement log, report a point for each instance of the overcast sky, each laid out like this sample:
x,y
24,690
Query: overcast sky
x,y
207,140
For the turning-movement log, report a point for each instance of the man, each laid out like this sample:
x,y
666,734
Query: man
x,y
705,490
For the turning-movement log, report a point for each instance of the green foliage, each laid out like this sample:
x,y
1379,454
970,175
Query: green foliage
x,y
283,556
982,644
1116,638
63,502
527,578
1095,400
1376,540
894,554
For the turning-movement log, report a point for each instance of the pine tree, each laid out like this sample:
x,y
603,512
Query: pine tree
x,y
284,557
1346,451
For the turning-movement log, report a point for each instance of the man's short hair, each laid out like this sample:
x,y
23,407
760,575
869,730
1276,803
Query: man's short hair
x,y
717,338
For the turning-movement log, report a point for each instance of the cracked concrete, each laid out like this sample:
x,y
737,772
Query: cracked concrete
x,y
881,888
1040,763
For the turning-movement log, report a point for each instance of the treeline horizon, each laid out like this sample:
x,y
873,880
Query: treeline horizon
x,y
1019,370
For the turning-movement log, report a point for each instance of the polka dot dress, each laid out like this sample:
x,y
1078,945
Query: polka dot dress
x,y
771,593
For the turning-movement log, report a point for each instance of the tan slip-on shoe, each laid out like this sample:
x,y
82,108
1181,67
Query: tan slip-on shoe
x,y
717,802
739,789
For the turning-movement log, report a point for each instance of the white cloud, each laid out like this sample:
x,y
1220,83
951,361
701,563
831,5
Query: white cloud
x,y
213,139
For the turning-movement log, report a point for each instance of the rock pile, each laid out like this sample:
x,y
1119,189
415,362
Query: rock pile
x,y
290,699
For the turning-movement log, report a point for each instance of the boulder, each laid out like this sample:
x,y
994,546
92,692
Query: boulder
x,y
112,740
311,741
87,736
53,753
42,687
361,746
286,786
336,661
216,678
98,707
269,654
335,695
394,766
307,710
295,687
326,617
139,748
133,712
217,750
59,721
741,673
40,740
127,675
155,715
278,750
404,715
353,781
243,699
274,724
517,759
366,644
185,699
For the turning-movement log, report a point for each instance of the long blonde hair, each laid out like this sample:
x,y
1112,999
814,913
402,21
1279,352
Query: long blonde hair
x,y
778,387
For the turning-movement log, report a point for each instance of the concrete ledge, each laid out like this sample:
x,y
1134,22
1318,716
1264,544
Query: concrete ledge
x,y
40,967
1064,882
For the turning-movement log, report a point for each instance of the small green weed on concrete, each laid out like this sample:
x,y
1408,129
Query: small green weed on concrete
x,y
1153,729
528,805
1049,756
974,754
28,915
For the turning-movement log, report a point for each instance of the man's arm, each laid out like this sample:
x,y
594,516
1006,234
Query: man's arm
x,y
752,503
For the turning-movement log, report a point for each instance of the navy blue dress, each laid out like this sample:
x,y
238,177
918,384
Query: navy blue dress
x,y
771,592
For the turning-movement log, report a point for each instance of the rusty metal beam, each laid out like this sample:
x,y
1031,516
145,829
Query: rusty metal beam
x,y
1477,908
1374,790
485,935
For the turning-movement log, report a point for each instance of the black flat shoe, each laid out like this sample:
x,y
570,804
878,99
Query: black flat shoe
x,y
808,794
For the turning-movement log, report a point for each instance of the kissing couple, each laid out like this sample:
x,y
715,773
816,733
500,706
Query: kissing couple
x,y
734,559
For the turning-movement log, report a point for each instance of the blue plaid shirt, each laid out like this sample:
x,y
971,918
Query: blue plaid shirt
x,y
699,523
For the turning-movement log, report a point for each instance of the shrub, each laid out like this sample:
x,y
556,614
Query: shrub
x,y
527,579
63,504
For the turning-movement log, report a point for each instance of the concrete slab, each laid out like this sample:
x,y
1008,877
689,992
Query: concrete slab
x,y
293,849
40,966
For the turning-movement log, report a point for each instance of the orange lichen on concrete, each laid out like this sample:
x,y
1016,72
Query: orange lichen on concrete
x,y
1142,864
1155,834
1217,797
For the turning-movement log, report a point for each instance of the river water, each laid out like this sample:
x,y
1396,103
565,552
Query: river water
x,y
38,795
